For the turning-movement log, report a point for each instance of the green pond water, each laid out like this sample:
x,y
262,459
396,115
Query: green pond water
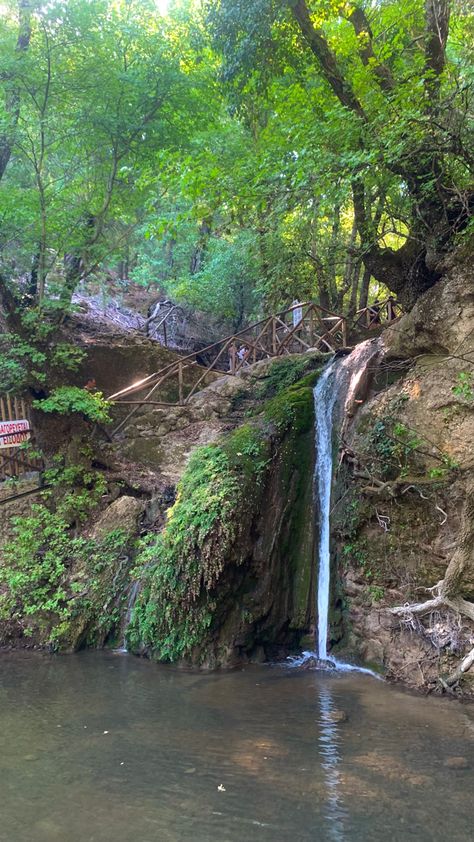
x,y
98,747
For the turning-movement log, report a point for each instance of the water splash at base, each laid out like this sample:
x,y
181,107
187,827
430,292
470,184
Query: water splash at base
x,y
310,660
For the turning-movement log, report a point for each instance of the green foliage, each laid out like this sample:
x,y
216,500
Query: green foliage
x,y
34,567
377,592
464,387
75,490
184,563
396,450
108,94
226,282
29,362
208,152
69,399
20,362
50,576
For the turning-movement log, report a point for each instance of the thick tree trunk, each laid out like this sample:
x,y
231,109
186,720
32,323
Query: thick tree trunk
x,y
354,288
200,249
364,288
437,210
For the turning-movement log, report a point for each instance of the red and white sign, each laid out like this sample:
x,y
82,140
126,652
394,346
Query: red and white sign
x,y
14,433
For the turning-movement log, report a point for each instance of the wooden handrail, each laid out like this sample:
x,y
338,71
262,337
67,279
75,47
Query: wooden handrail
x,y
269,337
238,335
377,311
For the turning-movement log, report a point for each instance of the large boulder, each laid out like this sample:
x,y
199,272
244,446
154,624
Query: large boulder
x,y
123,514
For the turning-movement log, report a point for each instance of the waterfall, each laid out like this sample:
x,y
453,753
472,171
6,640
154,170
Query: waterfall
x,y
132,598
334,398
324,399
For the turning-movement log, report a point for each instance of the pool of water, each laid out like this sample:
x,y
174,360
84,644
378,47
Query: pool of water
x,y
99,747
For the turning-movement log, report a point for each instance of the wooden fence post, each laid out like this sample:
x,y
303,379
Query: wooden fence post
x,y
180,382
344,332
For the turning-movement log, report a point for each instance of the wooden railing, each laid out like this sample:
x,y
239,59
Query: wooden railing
x,y
295,330
152,329
378,313
15,461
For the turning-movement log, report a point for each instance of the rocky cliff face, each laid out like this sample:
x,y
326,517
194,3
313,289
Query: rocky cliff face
x,y
229,577
403,529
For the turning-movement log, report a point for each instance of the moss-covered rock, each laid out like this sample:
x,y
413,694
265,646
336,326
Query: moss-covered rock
x,y
230,575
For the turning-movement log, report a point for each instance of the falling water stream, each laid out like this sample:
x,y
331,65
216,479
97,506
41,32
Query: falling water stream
x,y
333,394
325,394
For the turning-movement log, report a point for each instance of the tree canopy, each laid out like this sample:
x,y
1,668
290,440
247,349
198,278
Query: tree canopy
x,y
234,155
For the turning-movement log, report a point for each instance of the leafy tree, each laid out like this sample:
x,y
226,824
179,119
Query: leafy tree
x,y
394,120
93,96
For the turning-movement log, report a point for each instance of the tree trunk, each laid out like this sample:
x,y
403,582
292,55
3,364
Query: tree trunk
x,y
32,289
200,249
332,255
355,288
12,99
364,287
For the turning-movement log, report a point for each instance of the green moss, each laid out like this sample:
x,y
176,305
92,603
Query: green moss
x,y
185,561
294,406
218,496
298,544
284,372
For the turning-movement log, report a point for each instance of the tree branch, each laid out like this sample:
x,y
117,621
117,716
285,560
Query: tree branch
x,y
12,103
363,31
326,59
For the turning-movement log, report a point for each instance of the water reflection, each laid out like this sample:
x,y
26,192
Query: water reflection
x,y
106,748
329,750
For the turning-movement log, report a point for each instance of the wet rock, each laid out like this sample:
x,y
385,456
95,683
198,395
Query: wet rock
x,y
336,716
258,655
373,651
122,514
314,663
456,762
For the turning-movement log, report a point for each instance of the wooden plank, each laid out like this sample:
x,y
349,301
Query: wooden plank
x,y
211,368
180,382
3,417
14,466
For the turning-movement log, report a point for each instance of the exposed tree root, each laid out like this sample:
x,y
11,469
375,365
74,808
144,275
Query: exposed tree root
x,y
458,673
447,592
